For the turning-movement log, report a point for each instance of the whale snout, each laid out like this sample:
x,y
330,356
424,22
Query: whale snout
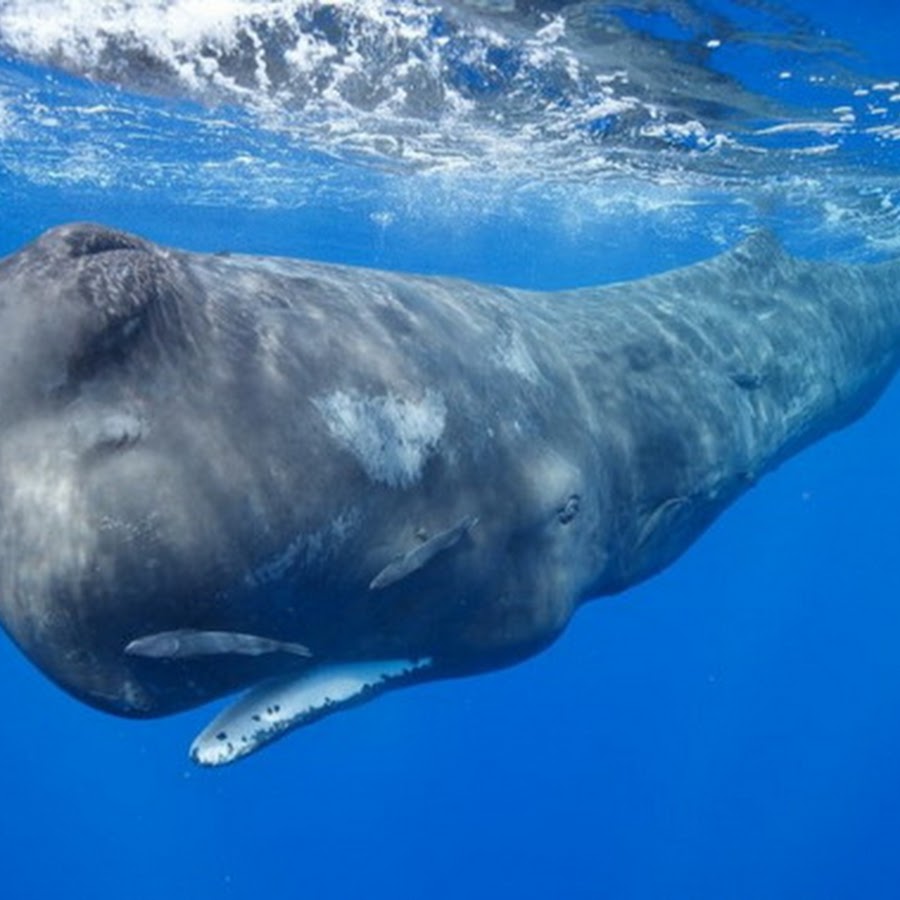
x,y
96,666
70,303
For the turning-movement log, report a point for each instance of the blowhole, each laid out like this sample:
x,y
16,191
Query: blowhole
x,y
93,241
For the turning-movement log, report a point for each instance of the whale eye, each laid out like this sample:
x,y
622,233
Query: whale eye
x,y
97,430
569,509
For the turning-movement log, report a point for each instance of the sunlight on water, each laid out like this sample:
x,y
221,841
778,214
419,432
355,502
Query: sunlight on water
x,y
602,106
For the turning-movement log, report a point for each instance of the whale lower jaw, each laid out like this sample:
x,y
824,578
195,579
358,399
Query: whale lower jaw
x,y
278,706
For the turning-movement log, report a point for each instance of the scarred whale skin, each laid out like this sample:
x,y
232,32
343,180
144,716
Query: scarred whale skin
x,y
376,466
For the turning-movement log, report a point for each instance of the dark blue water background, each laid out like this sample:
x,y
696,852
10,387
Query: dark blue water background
x,y
728,730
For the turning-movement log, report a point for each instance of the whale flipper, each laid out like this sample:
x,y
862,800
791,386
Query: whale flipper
x,y
401,566
277,706
188,642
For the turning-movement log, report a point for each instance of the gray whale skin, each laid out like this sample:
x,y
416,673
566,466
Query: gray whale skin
x,y
316,482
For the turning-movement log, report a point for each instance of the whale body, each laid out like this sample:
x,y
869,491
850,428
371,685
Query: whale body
x,y
317,482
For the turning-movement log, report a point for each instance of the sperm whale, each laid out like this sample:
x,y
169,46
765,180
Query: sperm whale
x,y
316,482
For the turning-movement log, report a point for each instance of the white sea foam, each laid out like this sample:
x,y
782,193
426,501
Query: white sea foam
x,y
433,84
483,101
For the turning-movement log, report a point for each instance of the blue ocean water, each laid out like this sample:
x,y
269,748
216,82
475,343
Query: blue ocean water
x,y
726,730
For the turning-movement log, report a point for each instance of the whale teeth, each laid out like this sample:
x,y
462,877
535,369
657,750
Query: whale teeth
x,y
279,705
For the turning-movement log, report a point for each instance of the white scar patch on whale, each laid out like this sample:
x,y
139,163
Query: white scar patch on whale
x,y
391,436
513,355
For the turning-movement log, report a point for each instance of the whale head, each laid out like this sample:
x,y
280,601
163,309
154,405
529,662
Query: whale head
x,y
89,499
215,471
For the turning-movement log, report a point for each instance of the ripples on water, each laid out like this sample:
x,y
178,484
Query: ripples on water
x,y
633,107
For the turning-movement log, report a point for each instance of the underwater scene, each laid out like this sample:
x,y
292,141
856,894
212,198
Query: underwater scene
x,y
348,349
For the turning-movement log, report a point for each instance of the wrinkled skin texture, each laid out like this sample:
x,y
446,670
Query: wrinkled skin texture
x,y
239,444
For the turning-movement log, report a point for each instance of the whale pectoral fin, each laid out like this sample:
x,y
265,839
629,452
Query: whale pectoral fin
x,y
420,556
189,642
277,706
660,518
